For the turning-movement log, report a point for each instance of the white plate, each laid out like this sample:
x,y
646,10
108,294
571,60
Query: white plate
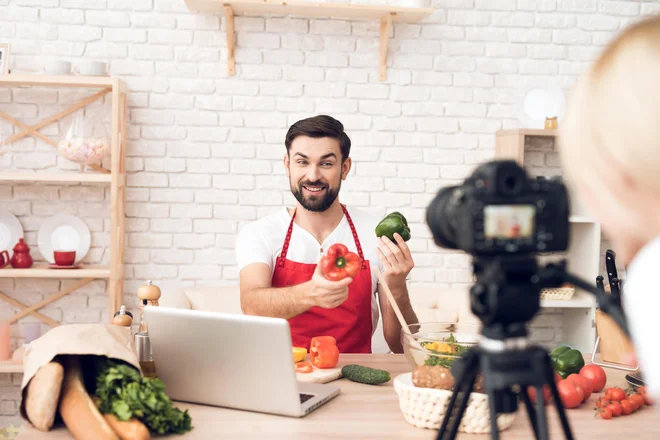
x,y
538,100
64,232
10,231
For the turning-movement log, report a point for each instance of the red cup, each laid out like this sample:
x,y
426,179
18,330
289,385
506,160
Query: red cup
x,y
64,258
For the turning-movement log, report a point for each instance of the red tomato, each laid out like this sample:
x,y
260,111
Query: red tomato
x,y
323,352
615,394
602,402
557,377
596,375
637,400
569,394
616,408
605,413
532,394
584,384
304,367
627,406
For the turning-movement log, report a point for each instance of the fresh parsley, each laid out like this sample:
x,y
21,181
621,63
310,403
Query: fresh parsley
x,y
122,391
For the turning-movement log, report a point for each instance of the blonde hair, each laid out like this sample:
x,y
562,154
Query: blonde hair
x,y
611,132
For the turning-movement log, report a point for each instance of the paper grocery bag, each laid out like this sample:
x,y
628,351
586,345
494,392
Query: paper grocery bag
x,y
108,340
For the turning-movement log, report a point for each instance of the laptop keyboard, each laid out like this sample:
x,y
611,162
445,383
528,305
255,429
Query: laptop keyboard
x,y
305,397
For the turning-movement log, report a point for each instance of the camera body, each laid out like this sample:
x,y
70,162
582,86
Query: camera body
x,y
500,210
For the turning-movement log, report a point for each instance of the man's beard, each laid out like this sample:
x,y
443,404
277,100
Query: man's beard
x,y
315,203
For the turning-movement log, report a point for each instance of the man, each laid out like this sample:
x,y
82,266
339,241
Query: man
x,y
277,255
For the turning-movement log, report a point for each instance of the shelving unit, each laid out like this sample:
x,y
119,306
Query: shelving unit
x,y
115,177
384,13
583,254
510,144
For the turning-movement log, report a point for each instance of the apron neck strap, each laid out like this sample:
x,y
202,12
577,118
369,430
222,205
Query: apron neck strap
x,y
287,239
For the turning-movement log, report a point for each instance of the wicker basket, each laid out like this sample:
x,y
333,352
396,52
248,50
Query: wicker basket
x,y
558,293
426,407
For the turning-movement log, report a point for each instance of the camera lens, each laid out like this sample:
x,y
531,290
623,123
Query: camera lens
x,y
440,216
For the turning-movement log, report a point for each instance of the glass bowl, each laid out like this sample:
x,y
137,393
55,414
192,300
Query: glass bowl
x,y
91,150
438,343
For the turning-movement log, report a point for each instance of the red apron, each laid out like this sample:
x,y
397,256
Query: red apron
x,y
350,322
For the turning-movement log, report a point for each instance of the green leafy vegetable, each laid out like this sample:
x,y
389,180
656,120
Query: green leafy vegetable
x,y
121,391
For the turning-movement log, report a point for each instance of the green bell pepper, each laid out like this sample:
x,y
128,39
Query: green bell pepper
x,y
566,361
394,222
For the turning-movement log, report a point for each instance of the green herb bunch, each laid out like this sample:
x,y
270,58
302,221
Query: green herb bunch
x,y
122,391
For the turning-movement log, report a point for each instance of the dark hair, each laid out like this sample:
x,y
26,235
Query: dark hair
x,y
318,127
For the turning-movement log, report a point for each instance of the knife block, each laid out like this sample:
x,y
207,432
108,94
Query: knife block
x,y
614,344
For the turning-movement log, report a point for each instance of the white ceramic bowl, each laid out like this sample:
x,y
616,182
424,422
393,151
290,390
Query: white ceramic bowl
x,y
426,408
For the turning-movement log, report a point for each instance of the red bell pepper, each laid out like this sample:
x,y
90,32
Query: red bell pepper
x,y
339,263
323,352
304,367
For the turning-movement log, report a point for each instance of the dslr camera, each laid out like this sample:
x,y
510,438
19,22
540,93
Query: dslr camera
x,y
500,210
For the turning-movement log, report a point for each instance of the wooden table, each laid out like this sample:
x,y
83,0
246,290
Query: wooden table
x,y
366,411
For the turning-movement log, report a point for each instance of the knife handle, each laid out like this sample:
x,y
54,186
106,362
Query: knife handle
x,y
599,283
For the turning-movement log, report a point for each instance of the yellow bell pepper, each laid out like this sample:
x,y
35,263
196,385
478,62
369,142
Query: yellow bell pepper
x,y
299,354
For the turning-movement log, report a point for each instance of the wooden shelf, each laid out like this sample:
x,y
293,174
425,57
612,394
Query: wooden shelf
x,y
43,271
582,219
527,132
10,367
45,176
96,82
386,14
510,144
311,9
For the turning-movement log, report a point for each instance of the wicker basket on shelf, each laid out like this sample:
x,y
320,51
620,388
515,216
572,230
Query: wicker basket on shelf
x,y
563,293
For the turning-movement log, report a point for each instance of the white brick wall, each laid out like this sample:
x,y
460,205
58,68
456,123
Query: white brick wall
x,y
204,149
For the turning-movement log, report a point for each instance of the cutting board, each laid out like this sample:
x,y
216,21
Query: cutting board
x,y
320,375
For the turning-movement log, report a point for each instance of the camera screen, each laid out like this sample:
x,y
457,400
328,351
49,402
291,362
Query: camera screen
x,y
509,221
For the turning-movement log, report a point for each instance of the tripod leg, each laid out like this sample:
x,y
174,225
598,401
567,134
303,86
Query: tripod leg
x,y
555,395
463,384
542,432
531,412
494,433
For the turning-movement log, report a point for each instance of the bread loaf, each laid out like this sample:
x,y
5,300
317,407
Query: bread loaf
x,y
131,429
77,409
43,393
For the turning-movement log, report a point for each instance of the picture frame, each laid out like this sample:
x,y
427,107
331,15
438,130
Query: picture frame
x,y
4,58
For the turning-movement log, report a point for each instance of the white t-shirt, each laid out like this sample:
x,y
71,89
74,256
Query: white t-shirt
x,y
262,241
641,303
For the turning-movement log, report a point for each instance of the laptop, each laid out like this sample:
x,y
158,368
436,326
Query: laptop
x,y
230,360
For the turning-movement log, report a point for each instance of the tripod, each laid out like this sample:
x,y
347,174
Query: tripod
x,y
505,297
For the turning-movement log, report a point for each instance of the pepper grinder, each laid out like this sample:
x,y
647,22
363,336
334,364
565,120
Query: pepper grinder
x,y
149,295
123,317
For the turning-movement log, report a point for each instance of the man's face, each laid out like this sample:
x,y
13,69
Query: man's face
x,y
315,171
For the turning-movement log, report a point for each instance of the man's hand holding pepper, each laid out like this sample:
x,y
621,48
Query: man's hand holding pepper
x,y
325,293
397,261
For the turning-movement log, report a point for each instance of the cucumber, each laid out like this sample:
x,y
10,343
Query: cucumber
x,y
366,375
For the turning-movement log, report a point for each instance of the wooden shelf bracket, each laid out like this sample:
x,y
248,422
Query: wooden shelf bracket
x,y
32,310
231,63
385,27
